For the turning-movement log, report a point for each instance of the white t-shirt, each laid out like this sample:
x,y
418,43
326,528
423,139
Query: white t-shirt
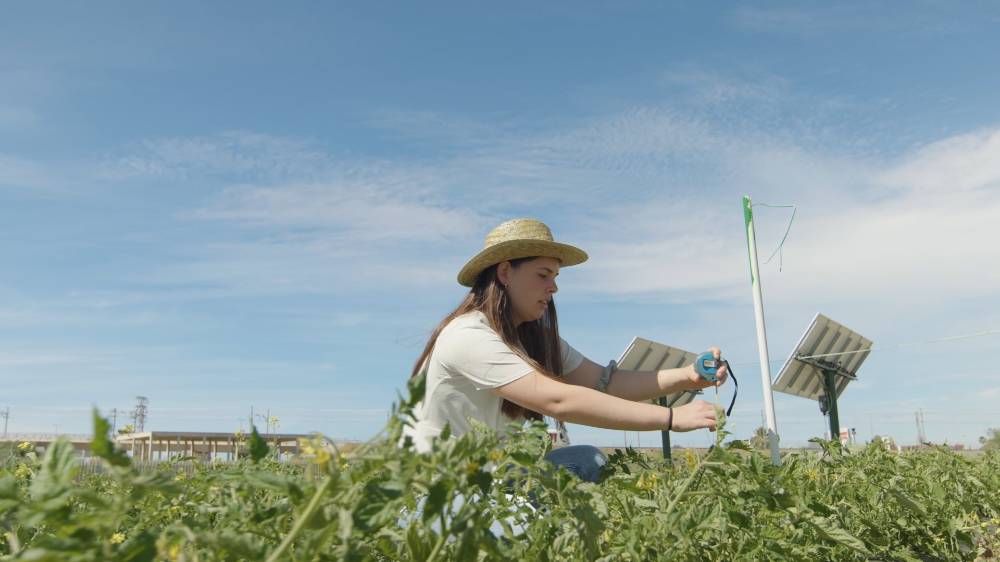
x,y
469,359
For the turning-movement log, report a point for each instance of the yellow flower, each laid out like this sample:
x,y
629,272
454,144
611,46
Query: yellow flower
x,y
690,458
117,538
496,455
647,481
316,448
25,446
180,477
471,467
22,471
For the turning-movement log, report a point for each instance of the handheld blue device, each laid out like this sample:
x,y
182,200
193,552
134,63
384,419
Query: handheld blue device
x,y
708,366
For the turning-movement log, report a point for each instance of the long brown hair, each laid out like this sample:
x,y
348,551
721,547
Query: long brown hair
x,y
537,342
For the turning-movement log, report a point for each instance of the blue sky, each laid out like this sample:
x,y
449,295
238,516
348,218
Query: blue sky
x,y
236,204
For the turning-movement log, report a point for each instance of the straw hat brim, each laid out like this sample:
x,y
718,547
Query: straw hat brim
x,y
514,249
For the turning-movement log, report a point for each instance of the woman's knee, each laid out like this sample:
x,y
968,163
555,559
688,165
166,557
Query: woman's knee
x,y
583,460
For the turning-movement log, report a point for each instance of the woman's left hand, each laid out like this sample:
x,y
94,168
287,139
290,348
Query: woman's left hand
x,y
698,383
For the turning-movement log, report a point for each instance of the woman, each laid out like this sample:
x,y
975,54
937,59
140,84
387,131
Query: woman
x,y
498,357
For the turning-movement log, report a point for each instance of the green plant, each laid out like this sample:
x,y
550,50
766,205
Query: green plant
x,y
991,441
480,497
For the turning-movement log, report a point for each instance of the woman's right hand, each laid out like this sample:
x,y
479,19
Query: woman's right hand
x,y
696,414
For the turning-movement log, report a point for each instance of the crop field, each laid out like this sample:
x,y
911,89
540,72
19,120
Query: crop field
x,y
480,498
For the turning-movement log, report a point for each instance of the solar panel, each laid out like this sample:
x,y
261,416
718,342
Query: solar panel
x,y
824,344
646,355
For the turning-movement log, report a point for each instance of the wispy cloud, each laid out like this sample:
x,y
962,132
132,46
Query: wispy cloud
x,y
359,212
993,392
648,191
708,86
228,156
964,162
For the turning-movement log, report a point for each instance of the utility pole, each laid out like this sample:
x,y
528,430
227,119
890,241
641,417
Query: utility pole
x,y
139,414
114,421
921,435
6,417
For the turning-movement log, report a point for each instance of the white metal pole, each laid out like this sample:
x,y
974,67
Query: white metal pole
x,y
758,309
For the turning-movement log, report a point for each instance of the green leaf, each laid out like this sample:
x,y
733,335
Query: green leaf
x,y
8,488
419,548
258,447
237,545
832,531
102,446
417,387
908,503
57,472
138,548
435,499
277,482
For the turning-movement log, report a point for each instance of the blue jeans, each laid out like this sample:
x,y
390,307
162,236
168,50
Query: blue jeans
x,y
583,460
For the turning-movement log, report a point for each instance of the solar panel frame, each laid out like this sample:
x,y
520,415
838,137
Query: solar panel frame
x,y
823,336
647,355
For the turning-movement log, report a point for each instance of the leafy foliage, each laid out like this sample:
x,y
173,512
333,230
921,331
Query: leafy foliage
x,y
102,446
991,442
258,447
477,497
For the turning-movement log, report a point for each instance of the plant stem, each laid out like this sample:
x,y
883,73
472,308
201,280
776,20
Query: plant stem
x,y
300,523
441,541
684,487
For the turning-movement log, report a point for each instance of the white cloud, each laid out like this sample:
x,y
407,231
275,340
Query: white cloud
x,y
359,212
852,238
651,193
961,163
993,392
712,87
229,154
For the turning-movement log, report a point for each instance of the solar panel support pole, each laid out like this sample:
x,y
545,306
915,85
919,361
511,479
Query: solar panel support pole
x,y
830,372
758,308
665,436
831,397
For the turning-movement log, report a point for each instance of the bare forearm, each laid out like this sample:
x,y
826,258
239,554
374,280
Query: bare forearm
x,y
646,385
589,407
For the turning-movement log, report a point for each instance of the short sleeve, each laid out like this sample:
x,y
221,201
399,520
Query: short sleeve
x,y
571,358
475,351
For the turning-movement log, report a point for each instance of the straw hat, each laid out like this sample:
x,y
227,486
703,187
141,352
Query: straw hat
x,y
519,238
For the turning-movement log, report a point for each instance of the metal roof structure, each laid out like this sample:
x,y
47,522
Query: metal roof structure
x,y
160,445
646,355
825,345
